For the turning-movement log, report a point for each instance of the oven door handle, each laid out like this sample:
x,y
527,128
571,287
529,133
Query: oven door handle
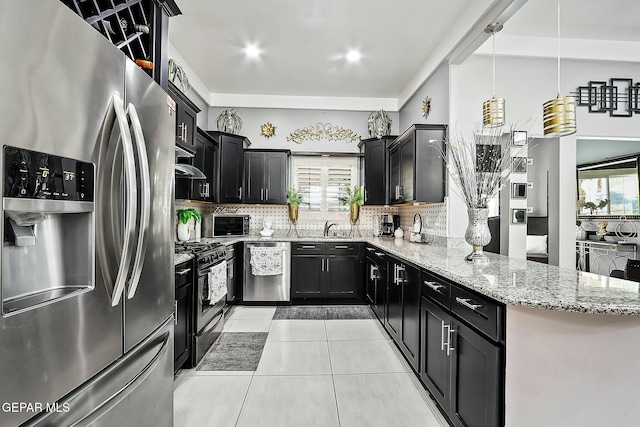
x,y
145,200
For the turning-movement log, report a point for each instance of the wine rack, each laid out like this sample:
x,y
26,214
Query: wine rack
x,y
126,24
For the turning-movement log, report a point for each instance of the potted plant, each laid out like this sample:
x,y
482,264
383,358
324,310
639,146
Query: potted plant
x,y
294,199
353,197
185,223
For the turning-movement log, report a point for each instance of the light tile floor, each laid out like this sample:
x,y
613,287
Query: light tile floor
x,y
312,373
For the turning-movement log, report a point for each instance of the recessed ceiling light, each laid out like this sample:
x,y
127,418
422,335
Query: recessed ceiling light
x,y
252,51
353,55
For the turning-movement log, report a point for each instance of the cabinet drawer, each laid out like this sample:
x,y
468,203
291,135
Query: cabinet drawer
x,y
339,248
484,314
376,254
436,288
184,273
307,248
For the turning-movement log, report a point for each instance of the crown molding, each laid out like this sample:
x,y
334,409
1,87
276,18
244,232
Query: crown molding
x,y
302,102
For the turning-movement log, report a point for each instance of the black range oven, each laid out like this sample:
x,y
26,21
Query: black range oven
x,y
210,295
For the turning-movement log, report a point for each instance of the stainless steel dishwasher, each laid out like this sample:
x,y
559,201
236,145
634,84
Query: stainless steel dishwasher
x,y
270,287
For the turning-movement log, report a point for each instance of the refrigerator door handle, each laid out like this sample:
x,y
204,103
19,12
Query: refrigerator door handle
x,y
131,205
145,199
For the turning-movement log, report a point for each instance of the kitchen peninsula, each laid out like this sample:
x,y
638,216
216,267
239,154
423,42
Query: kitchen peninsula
x,y
568,340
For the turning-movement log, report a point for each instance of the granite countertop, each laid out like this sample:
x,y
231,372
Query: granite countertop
x,y
180,258
508,280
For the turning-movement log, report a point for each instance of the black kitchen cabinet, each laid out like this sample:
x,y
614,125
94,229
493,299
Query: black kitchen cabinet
x,y
376,281
375,167
265,176
230,166
327,271
417,172
186,119
460,364
403,308
206,150
183,314
475,379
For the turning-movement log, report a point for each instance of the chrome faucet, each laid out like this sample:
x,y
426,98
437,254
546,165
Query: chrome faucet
x,y
327,226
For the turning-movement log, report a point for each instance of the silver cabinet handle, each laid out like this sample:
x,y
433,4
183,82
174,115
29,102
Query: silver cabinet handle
x,y
442,336
374,272
232,270
183,271
175,312
371,250
366,197
433,285
240,192
145,199
468,302
400,270
341,247
308,247
327,259
261,194
322,264
401,191
450,333
186,131
266,192
379,253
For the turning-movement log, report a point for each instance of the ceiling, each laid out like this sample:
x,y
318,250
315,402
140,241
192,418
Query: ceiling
x,y
304,43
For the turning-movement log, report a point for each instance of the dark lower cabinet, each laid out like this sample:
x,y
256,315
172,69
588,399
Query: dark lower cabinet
x,y
306,276
403,308
317,274
435,369
462,368
183,314
475,379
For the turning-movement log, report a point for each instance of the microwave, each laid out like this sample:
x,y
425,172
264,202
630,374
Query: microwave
x,y
225,225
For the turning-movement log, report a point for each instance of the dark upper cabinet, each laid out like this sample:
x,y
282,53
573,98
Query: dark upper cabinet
x,y
186,123
265,176
417,172
230,166
375,167
206,148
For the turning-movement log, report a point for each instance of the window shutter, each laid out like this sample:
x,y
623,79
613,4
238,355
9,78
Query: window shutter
x,y
309,179
338,180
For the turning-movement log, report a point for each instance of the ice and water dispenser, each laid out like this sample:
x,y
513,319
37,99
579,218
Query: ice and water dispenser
x,y
48,250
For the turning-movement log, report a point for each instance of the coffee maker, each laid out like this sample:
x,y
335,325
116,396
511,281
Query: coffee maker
x,y
388,224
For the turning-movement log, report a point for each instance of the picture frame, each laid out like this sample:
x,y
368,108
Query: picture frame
x,y
519,165
518,190
518,216
519,137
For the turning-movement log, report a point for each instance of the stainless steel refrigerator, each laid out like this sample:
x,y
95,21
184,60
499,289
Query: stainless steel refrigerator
x,y
87,288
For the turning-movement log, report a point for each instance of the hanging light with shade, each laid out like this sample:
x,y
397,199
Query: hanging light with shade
x,y
559,117
493,110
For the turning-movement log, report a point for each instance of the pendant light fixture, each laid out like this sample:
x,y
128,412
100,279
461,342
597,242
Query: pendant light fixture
x,y
559,114
493,114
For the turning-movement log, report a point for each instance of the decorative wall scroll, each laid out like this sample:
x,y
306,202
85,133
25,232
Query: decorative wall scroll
x,y
323,131
618,97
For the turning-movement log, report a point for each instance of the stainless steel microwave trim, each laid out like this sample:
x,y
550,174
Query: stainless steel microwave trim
x,y
209,225
188,171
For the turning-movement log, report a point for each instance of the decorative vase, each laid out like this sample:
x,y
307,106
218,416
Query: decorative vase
x,y
229,121
478,235
184,231
293,213
354,213
602,229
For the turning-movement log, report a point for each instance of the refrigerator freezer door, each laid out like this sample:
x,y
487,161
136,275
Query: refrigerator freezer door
x,y
152,302
135,391
55,102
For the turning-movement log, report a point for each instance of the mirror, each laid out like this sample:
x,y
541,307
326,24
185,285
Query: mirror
x,y
608,184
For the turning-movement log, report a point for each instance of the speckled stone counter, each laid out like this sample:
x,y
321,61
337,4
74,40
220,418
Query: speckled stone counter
x,y
508,280
180,258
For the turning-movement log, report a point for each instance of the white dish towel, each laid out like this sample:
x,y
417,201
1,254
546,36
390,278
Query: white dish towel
x,y
217,282
266,260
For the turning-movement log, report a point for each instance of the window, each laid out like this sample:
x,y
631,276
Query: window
x,y
322,180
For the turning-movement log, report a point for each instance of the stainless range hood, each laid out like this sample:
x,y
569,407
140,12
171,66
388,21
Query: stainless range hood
x,y
188,171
